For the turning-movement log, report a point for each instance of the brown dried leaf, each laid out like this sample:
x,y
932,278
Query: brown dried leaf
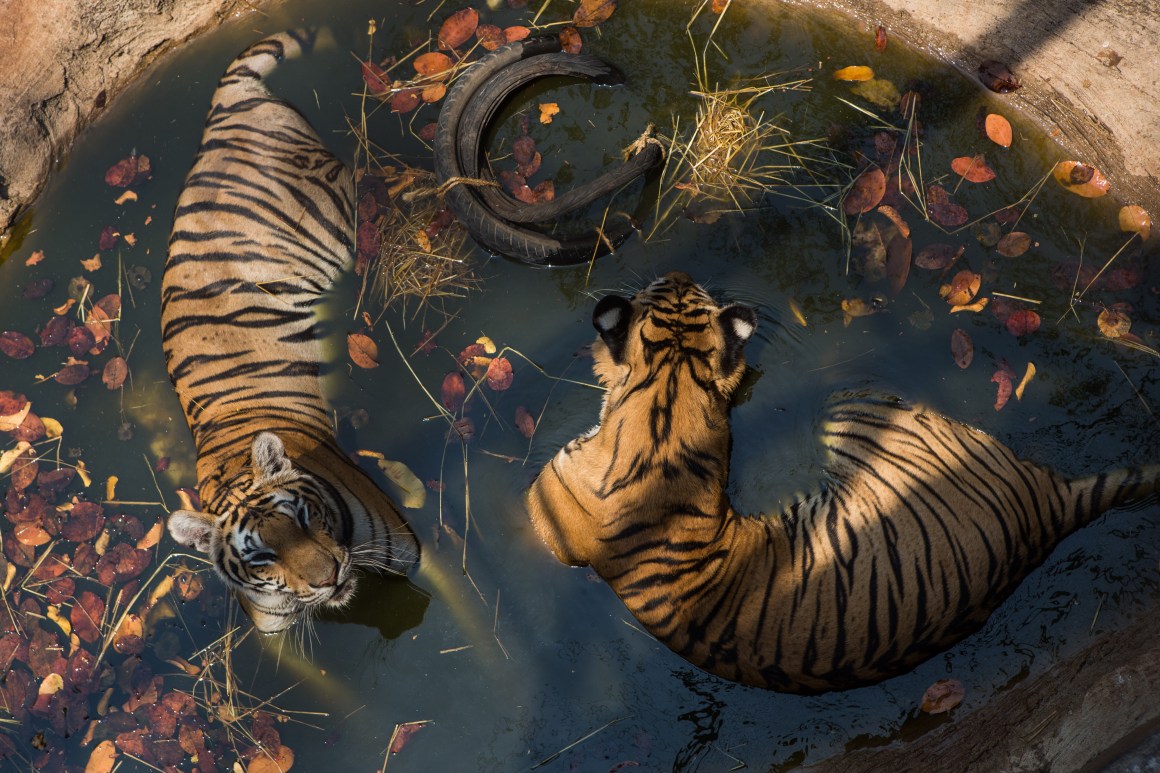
x,y
72,374
1023,322
892,213
403,734
593,12
1081,179
490,36
84,521
547,111
997,76
516,32
363,351
103,758
898,262
1113,324
962,348
16,345
866,192
432,63
880,39
376,79
267,762
963,287
973,168
1136,219
86,615
458,28
942,696
1014,244
570,40
937,256
115,372
406,100
998,129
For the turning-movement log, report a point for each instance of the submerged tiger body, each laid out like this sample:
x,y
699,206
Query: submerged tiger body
x,y
923,526
263,227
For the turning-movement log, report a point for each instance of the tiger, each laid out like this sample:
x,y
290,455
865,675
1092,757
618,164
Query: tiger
x,y
922,526
264,225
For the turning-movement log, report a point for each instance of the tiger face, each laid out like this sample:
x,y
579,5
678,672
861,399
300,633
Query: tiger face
x,y
278,540
674,331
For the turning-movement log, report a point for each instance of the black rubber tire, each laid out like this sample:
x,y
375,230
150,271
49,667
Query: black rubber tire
x,y
490,97
488,229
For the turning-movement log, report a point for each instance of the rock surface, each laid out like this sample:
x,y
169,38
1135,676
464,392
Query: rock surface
x,y
64,61
1088,68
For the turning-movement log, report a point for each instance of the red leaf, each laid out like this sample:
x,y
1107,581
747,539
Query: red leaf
x,y
432,63
115,372
406,100
71,375
453,391
499,374
108,238
1023,322
1002,377
84,521
880,39
377,81
127,171
55,332
962,348
525,423
570,40
16,345
123,562
458,28
516,32
973,168
426,343
85,616
490,36
943,210
403,734
80,340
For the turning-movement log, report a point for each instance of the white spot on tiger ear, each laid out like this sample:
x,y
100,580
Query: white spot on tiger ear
x,y
743,328
609,319
193,529
268,456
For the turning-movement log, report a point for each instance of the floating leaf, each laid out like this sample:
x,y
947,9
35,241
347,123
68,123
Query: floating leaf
x,y
943,210
973,168
453,391
72,374
898,262
880,39
1023,322
866,192
499,374
30,534
127,171
270,761
998,129
962,348
403,733
593,12
376,79
115,372
16,345
406,100
363,351
854,73
34,258
490,36
411,492
516,32
103,758
942,696
719,6
878,91
997,76
525,423
937,256
1002,378
433,93
432,63
892,213
570,40
1023,382
1013,244
963,287
1081,179
1113,324
547,111
85,521
1136,219
86,615
106,241
977,306
458,28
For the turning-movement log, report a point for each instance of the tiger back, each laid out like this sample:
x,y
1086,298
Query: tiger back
x,y
923,526
264,225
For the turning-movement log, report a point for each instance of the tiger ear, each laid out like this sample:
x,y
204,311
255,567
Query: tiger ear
x,y
268,456
610,318
738,324
193,529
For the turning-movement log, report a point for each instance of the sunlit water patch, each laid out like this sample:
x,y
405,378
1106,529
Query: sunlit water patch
x,y
498,656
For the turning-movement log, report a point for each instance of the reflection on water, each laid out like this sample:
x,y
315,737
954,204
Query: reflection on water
x,y
512,656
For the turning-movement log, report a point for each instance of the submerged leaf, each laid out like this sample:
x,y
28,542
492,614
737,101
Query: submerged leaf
x,y
458,28
866,192
411,492
453,391
1136,219
1002,377
499,374
854,73
525,423
942,696
1023,322
1013,244
962,348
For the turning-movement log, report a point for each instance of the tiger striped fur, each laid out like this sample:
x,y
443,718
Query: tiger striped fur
x,y
923,525
264,225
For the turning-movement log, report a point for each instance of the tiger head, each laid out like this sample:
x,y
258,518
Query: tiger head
x,y
674,331
277,539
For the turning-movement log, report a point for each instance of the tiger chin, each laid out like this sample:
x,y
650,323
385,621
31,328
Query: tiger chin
x,y
263,227
922,526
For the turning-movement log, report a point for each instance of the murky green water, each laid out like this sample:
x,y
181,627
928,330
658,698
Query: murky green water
x,y
522,657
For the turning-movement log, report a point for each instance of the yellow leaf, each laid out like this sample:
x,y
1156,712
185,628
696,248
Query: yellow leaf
x,y
53,614
547,110
279,763
130,239
93,263
854,73
151,538
1135,218
126,196
161,590
412,493
9,457
52,427
487,344
1081,179
52,684
62,309
798,315
83,472
1027,376
423,240
111,488
14,420
103,758
978,305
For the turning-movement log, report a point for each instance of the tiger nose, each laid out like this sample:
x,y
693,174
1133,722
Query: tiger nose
x,y
330,580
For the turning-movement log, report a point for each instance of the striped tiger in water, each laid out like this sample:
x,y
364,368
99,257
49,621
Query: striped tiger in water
x,y
922,527
264,225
